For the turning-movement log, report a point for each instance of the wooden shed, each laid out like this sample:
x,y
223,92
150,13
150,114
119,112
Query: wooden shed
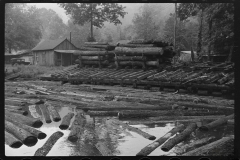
x,y
44,53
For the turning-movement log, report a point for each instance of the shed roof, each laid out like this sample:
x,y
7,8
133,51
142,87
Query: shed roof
x,y
48,44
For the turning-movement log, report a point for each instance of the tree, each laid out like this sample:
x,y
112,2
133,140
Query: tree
x,y
144,25
52,26
21,27
95,13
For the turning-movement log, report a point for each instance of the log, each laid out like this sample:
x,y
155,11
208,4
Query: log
x,y
185,117
87,62
44,150
45,113
138,51
130,63
53,112
93,53
88,48
13,107
231,122
133,129
195,144
97,46
11,102
207,148
130,58
136,45
36,123
17,111
102,113
33,131
66,121
179,138
12,141
92,58
103,149
77,127
35,111
151,147
27,138
216,123
152,63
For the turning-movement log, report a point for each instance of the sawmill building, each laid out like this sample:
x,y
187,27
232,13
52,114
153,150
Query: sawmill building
x,y
46,53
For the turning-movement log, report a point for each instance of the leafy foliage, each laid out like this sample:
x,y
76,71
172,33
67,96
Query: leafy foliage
x,y
22,29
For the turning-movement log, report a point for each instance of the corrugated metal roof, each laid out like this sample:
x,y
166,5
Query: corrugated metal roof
x,y
48,44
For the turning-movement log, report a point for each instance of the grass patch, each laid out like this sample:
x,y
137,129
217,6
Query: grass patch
x,y
32,71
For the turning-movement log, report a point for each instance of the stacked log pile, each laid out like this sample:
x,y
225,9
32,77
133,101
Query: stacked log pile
x,y
143,54
96,54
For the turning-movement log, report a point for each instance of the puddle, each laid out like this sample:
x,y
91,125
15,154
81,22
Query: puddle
x,y
128,144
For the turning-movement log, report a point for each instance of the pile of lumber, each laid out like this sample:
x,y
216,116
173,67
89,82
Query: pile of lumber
x,y
141,53
96,54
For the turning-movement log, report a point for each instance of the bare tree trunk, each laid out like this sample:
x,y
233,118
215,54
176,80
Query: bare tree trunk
x,y
209,37
199,43
91,22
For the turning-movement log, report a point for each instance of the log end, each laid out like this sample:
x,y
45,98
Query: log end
x,y
25,113
57,119
63,127
42,135
152,138
16,144
73,138
30,141
203,128
48,121
37,124
165,149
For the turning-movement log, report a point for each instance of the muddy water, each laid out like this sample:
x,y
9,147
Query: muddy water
x,y
129,144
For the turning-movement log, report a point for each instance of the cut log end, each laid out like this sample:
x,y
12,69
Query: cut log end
x,y
165,149
73,138
63,127
56,119
203,128
42,135
152,138
30,141
37,124
48,121
17,144
25,113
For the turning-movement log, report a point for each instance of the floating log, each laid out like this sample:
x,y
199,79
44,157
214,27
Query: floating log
x,y
66,121
53,112
151,147
12,141
17,111
207,148
179,138
138,51
27,138
133,129
35,111
93,53
102,113
216,123
33,131
13,107
77,127
103,149
130,58
44,150
36,123
45,113
195,144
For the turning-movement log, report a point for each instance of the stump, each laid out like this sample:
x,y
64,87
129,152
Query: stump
x,y
27,138
44,150
66,121
12,141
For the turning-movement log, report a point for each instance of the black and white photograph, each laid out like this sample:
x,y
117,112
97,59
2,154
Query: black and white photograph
x,y
119,79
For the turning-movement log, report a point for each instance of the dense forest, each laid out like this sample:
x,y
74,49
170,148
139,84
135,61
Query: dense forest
x,y
206,27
